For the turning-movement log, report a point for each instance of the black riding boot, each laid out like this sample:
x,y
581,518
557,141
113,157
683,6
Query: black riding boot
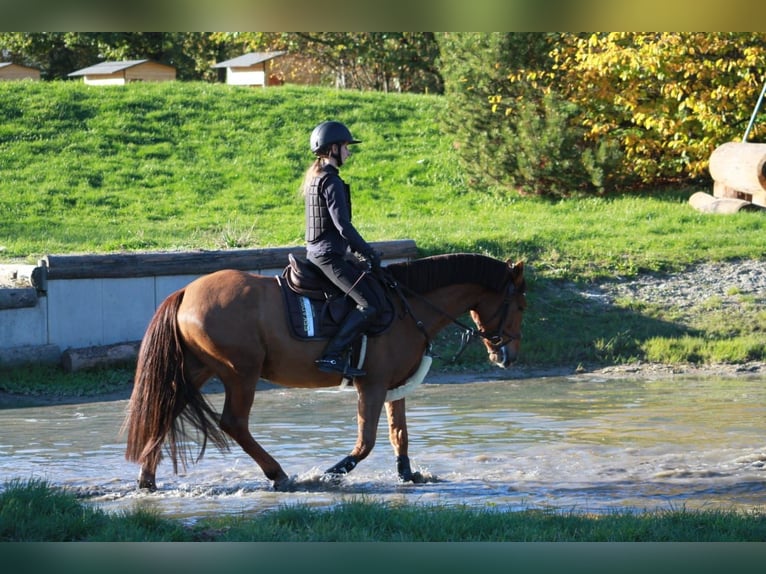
x,y
333,360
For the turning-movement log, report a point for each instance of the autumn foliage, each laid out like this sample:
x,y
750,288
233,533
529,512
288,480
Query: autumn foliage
x,y
597,112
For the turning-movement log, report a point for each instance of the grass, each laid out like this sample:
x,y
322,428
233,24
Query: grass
x,y
193,165
36,511
51,381
189,165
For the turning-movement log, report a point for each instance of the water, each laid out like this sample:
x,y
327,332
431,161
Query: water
x,y
572,444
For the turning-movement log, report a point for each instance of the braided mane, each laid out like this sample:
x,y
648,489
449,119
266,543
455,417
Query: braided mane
x,y
430,273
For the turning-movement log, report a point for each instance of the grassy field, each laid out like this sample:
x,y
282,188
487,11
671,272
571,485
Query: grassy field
x,y
193,165
185,165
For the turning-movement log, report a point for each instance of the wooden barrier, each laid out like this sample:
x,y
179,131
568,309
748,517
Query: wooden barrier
x,y
738,170
18,297
155,264
92,310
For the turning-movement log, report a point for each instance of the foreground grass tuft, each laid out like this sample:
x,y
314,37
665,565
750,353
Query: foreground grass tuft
x,y
36,511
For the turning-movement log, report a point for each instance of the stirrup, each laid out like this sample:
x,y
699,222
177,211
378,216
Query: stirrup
x,y
334,365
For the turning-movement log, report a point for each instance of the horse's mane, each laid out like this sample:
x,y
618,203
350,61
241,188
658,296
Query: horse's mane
x,y
430,273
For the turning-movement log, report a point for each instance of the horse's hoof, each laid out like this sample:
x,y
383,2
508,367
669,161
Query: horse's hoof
x,y
146,481
151,486
413,477
284,484
333,478
418,478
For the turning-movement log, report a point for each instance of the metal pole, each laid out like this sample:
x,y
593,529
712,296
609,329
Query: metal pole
x,y
755,112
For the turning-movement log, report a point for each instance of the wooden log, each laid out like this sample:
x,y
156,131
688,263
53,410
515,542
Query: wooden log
x,y
739,166
153,264
29,354
74,360
706,203
18,298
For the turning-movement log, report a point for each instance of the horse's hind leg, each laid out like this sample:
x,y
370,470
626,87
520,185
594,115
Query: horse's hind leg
x,y
234,421
397,434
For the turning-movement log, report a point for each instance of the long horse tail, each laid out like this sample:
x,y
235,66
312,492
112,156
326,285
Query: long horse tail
x,y
163,399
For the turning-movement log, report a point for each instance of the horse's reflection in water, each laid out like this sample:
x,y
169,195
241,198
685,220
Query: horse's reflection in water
x,y
232,325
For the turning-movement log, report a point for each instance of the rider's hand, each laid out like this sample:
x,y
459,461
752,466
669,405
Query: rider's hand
x,y
373,258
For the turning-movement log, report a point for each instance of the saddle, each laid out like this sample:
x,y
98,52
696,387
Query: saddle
x,y
316,307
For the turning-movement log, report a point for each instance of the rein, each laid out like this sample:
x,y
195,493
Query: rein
x,y
469,333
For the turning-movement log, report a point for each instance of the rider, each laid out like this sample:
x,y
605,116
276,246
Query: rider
x,y
330,235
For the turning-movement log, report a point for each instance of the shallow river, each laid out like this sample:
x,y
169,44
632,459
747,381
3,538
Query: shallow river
x,y
577,444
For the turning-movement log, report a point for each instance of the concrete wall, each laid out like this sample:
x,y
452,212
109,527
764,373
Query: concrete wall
x,y
79,313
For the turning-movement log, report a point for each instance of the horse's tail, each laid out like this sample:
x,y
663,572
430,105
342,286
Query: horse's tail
x,y
163,399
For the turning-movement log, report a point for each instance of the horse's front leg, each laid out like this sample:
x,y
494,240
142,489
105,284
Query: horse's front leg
x,y
397,434
369,405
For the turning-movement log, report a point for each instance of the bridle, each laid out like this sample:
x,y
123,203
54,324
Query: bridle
x,y
497,341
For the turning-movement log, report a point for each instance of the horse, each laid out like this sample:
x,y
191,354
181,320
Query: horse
x,y
232,325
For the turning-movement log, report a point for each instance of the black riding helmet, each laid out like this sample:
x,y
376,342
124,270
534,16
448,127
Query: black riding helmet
x,y
329,133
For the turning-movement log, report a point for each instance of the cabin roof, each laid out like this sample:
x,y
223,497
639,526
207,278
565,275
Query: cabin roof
x,y
110,67
251,59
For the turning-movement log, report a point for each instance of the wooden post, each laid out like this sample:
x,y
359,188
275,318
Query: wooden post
x,y
706,203
74,360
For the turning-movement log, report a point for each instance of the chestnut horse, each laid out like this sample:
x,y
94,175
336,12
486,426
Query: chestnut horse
x,y
233,325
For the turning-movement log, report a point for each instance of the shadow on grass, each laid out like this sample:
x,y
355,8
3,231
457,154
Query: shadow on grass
x,y
567,324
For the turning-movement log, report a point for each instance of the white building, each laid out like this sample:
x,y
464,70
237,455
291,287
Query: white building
x,y
250,69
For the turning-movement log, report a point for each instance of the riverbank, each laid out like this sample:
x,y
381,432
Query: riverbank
x,y
648,371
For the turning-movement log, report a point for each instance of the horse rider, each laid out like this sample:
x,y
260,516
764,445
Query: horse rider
x,y
330,235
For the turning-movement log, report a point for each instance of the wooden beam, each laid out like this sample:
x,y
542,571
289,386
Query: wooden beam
x,y
74,360
153,264
18,298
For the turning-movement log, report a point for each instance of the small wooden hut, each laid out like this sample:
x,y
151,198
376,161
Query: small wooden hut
x,y
251,69
10,71
125,72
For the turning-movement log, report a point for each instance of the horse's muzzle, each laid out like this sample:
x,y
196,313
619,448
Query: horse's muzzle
x,y
503,356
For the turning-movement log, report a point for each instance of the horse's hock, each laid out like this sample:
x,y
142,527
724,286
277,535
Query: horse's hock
x,y
84,311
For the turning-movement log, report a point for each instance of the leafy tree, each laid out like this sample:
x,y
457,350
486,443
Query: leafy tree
x,y
667,99
56,54
384,61
596,112
509,134
59,53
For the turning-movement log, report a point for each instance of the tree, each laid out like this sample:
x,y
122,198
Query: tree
x,y
667,99
385,61
598,112
508,133
56,54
